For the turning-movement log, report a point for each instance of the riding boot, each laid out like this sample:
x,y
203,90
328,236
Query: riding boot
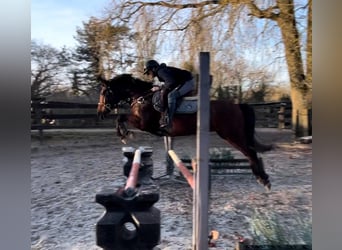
x,y
171,111
163,120
164,100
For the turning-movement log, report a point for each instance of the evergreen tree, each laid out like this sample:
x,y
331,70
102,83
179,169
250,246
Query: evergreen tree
x,y
103,50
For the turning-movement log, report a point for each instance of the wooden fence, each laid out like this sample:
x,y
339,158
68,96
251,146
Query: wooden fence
x,y
273,114
50,115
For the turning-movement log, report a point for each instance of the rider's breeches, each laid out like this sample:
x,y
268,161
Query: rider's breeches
x,y
187,87
177,93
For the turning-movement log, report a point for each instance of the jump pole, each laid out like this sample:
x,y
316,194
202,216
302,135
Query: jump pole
x,y
132,179
201,194
184,170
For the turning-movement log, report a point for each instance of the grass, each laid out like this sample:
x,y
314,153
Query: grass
x,y
268,230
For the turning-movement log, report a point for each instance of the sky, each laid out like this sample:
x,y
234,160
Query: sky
x,y
54,22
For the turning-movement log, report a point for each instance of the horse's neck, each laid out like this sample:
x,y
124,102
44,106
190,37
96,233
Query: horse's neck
x,y
141,86
140,92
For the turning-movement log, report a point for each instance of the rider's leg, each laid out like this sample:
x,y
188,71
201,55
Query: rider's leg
x,y
187,87
172,98
164,101
172,105
174,95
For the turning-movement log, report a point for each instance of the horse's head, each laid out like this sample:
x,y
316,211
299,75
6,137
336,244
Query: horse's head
x,y
121,88
106,102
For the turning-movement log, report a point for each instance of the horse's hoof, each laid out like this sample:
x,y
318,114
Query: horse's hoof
x,y
268,187
265,183
260,181
123,140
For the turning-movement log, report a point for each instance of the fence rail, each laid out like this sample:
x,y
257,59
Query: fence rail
x,y
273,114
53,115
48,115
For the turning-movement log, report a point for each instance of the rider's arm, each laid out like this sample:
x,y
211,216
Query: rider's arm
x,y
156,86
167,77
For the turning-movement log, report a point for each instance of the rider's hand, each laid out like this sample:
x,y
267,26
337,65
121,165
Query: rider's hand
x,y
155,88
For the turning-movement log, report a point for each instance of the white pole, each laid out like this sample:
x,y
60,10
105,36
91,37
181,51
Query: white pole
x,y
201,194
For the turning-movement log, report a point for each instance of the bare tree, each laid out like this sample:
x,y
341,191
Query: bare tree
x,y
47,69
146,41
280,12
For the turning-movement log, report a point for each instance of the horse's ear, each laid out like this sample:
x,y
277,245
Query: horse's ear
x,y
102,81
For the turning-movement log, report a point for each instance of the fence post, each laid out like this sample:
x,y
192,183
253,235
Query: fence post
x,y
281,116
37,118
201,195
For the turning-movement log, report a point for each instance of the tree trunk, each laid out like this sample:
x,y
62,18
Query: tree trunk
x,y
309,53
300,113
299,88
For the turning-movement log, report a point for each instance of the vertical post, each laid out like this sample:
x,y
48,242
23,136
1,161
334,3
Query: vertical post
x,y
201,194
38,120
281,116
168,144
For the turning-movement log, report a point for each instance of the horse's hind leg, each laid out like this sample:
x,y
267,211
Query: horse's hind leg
x,y
258,169
255,164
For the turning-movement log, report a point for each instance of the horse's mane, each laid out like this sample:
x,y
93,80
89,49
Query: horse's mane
x,y
128,82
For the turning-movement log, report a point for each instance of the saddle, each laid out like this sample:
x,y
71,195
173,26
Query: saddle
x,y
185,104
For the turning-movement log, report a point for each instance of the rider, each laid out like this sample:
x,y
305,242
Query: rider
x,y
177,83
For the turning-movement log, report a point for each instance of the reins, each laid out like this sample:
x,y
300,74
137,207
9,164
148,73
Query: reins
x,y
141,99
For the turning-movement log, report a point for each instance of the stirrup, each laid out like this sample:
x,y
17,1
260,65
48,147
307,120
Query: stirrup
x,y
163,123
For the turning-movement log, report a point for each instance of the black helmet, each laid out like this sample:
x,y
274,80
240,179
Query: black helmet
x,y
151,65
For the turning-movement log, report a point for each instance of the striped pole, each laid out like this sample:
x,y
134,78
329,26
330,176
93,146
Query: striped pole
x,y
184,170
133,174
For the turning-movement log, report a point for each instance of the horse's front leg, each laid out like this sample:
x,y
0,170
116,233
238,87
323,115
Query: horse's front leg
x,y
168,144
121,128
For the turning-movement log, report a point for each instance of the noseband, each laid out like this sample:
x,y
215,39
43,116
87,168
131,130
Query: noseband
x,y
102,101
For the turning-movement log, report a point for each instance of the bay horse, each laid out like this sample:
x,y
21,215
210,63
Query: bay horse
x,y
235,123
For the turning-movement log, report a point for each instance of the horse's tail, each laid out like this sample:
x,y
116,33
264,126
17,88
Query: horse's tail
x,y
249,117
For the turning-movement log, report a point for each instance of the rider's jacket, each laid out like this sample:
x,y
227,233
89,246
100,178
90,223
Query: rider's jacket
x,y
171,76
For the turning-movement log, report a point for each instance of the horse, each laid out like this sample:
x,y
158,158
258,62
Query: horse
x,y
235,123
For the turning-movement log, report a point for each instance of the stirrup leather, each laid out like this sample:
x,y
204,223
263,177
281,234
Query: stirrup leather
x,y
163,120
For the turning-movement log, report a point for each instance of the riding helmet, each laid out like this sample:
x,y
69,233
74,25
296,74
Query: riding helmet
x,y
151,65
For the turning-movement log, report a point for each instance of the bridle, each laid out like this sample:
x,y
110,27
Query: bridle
x,y
106,90
102,100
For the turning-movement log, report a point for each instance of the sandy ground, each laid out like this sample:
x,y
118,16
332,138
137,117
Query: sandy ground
x,y
69,167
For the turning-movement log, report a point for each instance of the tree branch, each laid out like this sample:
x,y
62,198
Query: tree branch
x,y
173,5
270,13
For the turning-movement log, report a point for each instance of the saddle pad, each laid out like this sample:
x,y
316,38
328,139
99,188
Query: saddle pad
x,y
187,105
